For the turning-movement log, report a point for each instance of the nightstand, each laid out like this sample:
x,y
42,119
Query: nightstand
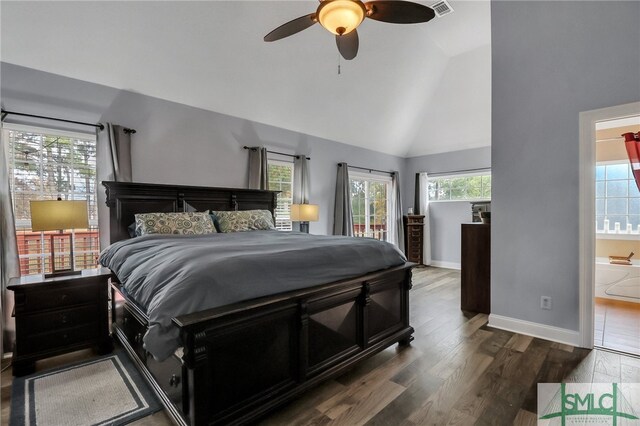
x,y
59,315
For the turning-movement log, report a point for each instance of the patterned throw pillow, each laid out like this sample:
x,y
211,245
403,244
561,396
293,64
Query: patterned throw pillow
x,y
244,220
194,223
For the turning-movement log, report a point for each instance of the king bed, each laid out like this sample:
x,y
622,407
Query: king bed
x,y
226,327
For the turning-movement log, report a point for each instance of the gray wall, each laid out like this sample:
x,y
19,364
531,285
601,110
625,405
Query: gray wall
x,y
550,61
179,144
445,217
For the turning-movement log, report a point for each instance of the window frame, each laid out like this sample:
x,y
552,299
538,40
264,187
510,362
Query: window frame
x,y
370,177
280,162
600,232
483,173
42,258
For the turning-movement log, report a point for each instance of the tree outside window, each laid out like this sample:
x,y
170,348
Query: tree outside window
x,y
370,206
281,179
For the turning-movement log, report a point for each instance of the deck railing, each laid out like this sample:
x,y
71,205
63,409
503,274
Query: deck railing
x,y
34,249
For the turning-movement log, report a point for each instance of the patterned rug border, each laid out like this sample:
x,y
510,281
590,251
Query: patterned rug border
x,y
18,412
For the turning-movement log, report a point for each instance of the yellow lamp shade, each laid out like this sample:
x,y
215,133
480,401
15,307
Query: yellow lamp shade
x,y
304,212
53,215
341,16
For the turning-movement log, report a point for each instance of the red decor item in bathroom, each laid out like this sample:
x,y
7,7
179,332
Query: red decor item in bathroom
x,y
632,143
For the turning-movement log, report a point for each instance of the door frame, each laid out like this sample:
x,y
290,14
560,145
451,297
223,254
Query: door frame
x,y
587,214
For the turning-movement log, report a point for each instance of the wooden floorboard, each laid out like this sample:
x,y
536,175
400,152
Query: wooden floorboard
x,y
617,325
457,371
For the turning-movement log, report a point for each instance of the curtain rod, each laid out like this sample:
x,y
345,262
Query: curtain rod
x,y
97,125
369,169
456,172
276,152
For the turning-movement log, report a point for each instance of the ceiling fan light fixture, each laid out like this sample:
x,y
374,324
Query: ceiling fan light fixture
x,y
341,16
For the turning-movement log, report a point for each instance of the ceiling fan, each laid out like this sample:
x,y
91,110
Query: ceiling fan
x,y
342,17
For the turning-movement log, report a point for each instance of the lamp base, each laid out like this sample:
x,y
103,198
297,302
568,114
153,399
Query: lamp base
x,y
304,227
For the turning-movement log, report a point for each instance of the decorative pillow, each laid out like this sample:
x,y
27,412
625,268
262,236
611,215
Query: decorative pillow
x,y
194,223
216,223
245,220
133,230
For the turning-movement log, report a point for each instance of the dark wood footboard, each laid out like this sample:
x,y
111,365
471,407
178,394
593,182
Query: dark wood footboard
x,y
243,360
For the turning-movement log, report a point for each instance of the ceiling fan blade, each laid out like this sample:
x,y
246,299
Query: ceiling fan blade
x,y
291,27
348,45
399,12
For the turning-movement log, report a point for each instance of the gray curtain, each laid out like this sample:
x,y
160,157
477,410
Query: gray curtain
x,y
9,262
301,180
342,215
113,163
421,206
258,176
396,229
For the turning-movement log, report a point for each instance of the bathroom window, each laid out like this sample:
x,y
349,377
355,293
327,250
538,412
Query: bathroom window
x,y
617,197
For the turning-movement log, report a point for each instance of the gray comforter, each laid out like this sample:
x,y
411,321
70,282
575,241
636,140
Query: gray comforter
x,y
172,275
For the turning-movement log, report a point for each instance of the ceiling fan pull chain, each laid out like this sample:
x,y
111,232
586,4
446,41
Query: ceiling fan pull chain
x,y
338,64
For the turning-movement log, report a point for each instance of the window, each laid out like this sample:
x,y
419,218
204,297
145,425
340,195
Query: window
x,y
43,165
460,187
281,179
370,205
617,196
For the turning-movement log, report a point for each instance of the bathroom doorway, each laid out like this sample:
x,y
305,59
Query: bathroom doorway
x,y
616,291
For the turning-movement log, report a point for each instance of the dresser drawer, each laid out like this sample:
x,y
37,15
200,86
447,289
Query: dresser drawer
x,y
58,339
59,298
57,320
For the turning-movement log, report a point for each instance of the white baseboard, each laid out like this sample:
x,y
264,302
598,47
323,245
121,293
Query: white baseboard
x,y
548,332
443,264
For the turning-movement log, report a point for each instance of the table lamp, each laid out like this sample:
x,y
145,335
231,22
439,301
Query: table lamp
x,y
59,215
304,213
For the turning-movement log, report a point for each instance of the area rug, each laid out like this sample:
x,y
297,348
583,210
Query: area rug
x,y
101,391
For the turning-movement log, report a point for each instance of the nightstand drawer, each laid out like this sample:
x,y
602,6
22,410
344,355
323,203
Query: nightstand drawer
x,y
58,339
59,297
56,320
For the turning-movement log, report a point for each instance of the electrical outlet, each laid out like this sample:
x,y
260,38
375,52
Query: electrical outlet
x,y
545,303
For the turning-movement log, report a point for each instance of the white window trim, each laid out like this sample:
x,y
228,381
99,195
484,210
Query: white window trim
x,y
54,132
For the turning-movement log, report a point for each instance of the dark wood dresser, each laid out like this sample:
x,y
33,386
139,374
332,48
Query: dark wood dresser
x,y
413,238
476,267
59,315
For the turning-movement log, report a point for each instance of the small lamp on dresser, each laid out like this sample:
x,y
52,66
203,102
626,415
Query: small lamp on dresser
x,y
59,215
304,213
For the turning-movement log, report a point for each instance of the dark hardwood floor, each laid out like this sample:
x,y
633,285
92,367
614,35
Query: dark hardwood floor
x,y
457,371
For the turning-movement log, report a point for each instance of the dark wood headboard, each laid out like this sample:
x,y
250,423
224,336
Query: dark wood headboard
x,y
125,199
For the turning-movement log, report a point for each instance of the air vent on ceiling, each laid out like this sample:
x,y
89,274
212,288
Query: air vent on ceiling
x,y
442,8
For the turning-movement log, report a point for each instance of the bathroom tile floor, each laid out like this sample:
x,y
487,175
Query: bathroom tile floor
x,y
617,325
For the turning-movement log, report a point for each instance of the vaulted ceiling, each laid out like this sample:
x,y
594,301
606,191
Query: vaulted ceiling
x,y
412,90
